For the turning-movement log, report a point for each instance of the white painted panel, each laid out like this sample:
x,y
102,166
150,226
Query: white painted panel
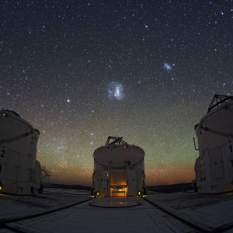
x,y
217,166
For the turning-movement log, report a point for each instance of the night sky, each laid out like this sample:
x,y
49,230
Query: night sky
x,y
80,71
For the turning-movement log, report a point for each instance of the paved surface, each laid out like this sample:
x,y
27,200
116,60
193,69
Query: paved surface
x,y
12,209
207,211
86,218
12,206
210,212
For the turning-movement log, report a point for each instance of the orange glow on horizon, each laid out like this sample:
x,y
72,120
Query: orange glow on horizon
x,y
170,175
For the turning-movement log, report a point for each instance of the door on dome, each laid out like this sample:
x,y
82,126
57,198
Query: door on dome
x,y
118,184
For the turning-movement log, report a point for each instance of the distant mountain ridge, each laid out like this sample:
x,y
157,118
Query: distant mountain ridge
x,y
171,188
65,186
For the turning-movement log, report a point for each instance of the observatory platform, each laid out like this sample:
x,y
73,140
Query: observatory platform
x,y
71,211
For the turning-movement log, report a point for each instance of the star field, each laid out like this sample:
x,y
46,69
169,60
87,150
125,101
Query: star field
x,y
80,71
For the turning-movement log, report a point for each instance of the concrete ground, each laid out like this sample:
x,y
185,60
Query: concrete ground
x,y
103,215
210,212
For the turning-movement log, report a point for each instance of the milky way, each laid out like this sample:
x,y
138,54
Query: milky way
x,y
80,71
